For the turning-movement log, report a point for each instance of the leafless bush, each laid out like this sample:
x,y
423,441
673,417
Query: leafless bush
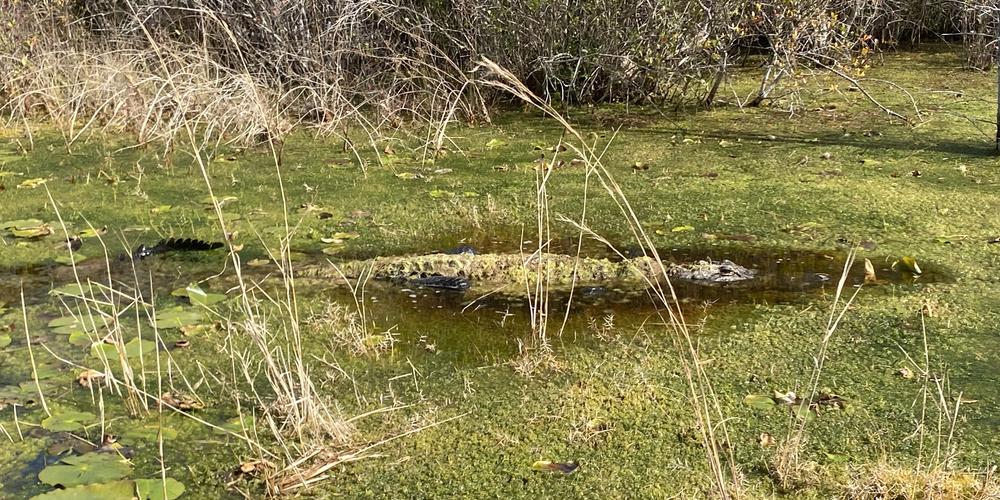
x,y
378,64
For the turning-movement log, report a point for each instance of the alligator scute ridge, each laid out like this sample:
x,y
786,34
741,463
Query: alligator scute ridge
x,y
557,269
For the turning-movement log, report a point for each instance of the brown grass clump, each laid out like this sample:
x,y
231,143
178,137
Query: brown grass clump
x,y
347,331
887,481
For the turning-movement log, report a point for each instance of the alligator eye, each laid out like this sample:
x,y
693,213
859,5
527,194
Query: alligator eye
x,y
725,270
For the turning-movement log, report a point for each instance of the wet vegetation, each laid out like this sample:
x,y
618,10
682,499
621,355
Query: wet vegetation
x,y
165,333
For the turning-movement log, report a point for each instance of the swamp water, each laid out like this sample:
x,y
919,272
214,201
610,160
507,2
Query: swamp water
x,y
458,329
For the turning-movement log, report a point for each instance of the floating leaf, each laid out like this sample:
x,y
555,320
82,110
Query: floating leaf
x,y
4,340
32,232
197,296
133,349
67,325
189,330
549,466
67,420
85,469
495,143
149,432
66,260
682,229
333,250
115,490
802,412
759,401
176,317
72,290
157,489
92,232
32,183
20,223
907,264
80,339
238,425
440,193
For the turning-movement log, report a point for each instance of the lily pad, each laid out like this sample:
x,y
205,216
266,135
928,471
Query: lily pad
x,y
197,296
177,317
157,489
66,260
133,348
72,290
68,325
237,425
115,490
20,223
333,250
759,401
85,469
149,432
80,339
67,420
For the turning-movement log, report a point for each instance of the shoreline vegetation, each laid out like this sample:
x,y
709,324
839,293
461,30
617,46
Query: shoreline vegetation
x,y
843,150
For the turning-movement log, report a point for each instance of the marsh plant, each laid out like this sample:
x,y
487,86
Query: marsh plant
x,y
349,331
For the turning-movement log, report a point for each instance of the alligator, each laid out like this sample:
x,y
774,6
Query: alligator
x,y
171,245
458,271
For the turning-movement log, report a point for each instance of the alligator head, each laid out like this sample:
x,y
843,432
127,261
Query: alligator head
x,y
726,271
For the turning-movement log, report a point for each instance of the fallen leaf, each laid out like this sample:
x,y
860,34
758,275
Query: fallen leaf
x,y
32,183
549,466
870,272
766,440
87,377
